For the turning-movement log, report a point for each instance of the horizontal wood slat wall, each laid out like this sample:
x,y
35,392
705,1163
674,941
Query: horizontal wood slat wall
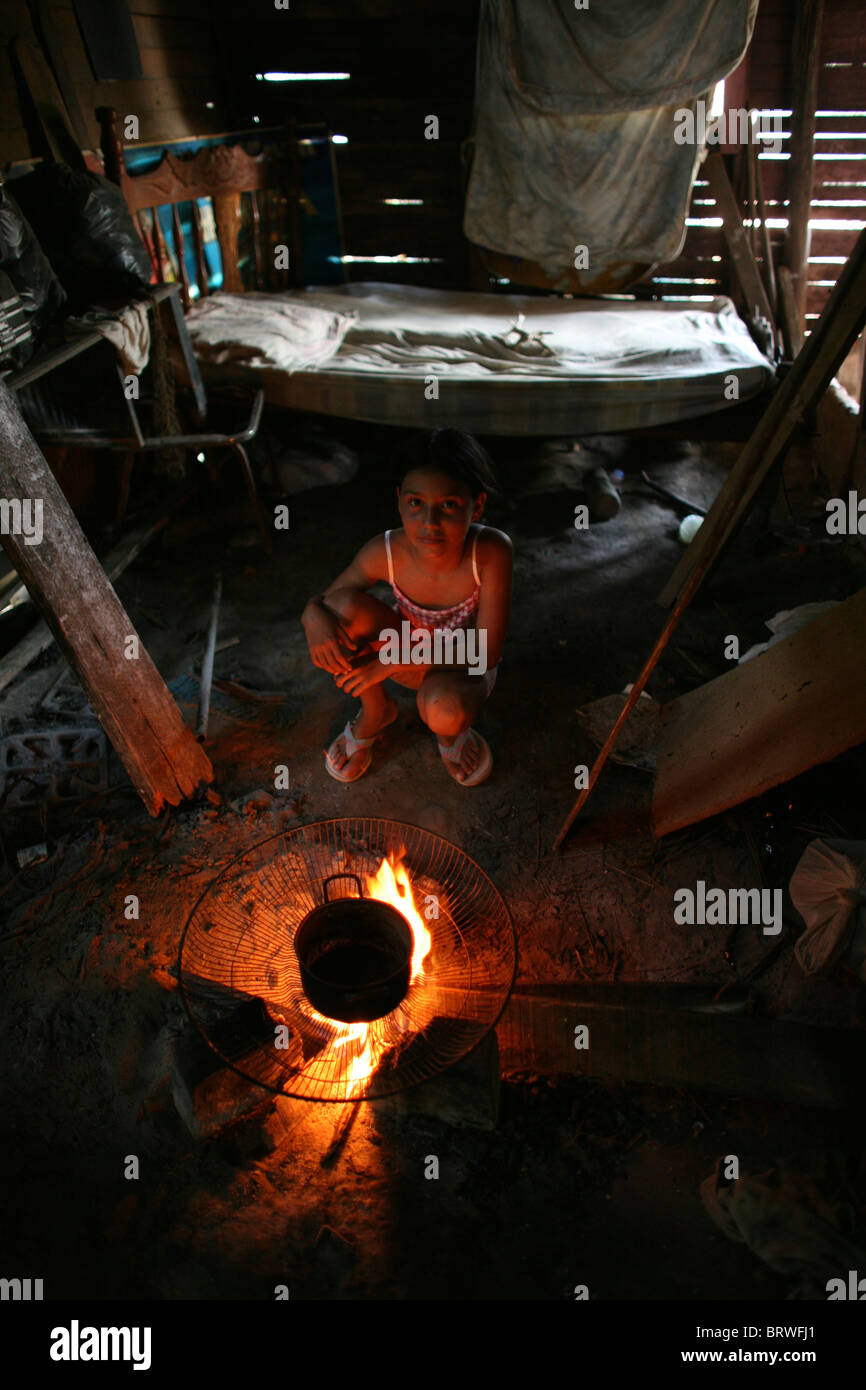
x,y
200,57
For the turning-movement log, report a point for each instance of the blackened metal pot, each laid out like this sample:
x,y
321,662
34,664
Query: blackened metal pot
x,y
355,956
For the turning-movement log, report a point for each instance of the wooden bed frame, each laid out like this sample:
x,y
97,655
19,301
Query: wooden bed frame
x,y
261,191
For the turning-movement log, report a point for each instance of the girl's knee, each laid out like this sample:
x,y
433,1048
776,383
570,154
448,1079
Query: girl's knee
x,y
442,706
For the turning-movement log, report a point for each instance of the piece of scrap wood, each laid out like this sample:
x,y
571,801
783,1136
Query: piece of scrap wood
x,y
800,703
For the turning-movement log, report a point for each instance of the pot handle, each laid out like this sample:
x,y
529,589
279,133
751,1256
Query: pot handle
x,y
330,879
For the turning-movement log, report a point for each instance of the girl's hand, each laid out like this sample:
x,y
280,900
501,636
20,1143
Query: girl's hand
x,y
363,677
330,644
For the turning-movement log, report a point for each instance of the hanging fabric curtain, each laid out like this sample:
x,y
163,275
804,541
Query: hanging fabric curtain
x,y
576,112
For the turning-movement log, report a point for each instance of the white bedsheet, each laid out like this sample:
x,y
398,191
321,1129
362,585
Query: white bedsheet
x,y
573,366
417,332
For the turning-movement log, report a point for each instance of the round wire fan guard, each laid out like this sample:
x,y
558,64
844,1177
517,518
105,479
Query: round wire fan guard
x,y
241,981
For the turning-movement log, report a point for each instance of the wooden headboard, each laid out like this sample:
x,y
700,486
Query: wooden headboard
x,y
266,186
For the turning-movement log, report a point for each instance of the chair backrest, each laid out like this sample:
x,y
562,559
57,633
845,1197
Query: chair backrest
x,y
226,174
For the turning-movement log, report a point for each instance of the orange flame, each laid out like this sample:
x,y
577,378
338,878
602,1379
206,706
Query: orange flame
x,y
390,884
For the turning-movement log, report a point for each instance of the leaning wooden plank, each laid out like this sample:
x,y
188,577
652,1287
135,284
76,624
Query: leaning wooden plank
x,y
639,1033
824,350
801,702
164,760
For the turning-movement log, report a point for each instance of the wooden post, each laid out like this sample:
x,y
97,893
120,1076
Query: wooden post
x,y
227,215
806,64
162,756
110,144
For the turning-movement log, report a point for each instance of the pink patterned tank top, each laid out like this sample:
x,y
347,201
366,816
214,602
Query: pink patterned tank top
x,y
459,615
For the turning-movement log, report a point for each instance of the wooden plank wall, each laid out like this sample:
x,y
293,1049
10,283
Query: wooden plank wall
x,y
406,62
182,67
764,81
199,62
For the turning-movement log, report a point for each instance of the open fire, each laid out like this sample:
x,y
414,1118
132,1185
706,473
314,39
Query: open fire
x,y
347,959
390,884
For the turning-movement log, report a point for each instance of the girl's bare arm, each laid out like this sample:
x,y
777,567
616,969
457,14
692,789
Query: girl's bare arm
x,y
327,639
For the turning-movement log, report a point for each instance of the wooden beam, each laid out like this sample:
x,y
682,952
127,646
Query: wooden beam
x,y
679,1036
796,705
806,67
162,756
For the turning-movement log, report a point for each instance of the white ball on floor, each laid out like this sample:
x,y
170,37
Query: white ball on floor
x,y
689,527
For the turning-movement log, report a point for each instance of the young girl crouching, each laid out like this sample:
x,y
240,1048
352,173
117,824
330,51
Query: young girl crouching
x,y
451,580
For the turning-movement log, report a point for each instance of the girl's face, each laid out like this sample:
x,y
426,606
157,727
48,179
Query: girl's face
x,y
437,510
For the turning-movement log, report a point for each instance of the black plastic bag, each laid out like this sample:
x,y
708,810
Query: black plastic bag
x,y
30,275
87,232
16,334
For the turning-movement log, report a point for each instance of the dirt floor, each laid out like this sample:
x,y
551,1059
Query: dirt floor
x,y
579,1173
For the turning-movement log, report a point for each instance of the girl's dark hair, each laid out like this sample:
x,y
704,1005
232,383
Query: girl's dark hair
x,y
449,451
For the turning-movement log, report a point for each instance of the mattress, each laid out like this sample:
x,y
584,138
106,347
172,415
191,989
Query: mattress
x,y
521,364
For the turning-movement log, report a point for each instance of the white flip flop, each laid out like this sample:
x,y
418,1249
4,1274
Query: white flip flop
x,y
353,744
451,754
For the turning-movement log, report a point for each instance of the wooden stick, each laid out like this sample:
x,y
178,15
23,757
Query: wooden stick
x,y
207,664
634,695
839,325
